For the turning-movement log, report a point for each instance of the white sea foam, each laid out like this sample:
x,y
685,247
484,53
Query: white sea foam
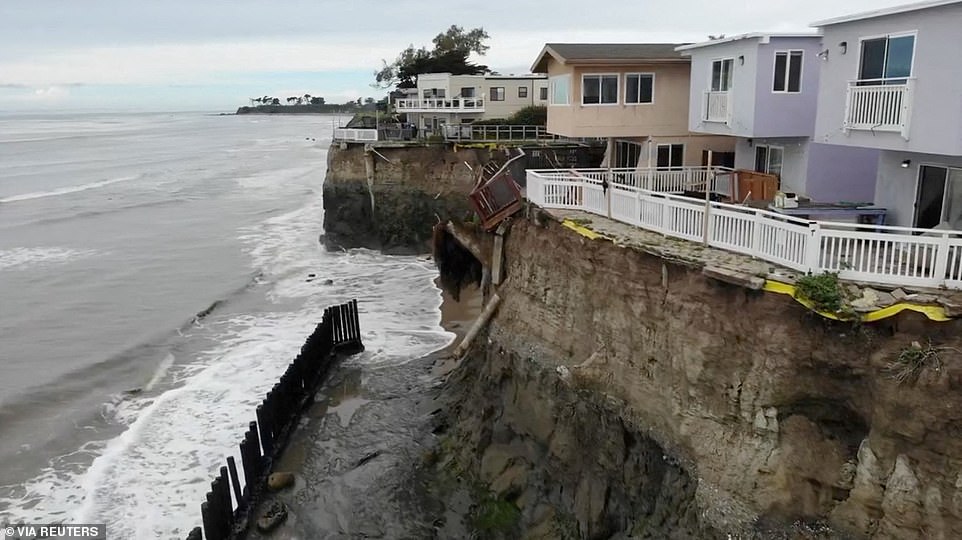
x,y
149,481
65,190
24,257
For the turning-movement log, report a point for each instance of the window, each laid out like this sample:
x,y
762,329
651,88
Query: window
x,y
430,93
560,89
599,89
768,159
671,155
788,72
639,88
497,93
721,75
886,60
467,91
543,93
522,91
939,197
627,154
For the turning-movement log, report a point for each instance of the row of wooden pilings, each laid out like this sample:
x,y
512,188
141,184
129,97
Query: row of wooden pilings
x,y
339,333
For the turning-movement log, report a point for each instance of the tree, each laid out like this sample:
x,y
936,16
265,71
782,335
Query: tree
x,y
275,101
315,100
369,101
450,55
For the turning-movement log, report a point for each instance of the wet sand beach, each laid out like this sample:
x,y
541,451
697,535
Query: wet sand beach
x,y
356,453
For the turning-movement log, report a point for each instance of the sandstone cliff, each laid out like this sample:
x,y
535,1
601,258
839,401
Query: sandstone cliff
x,y
618,394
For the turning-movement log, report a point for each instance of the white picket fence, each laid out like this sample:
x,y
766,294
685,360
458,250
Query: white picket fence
x,y
355,134
899,256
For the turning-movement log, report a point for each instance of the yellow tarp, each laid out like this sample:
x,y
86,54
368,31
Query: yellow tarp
x,y
935,313
582,230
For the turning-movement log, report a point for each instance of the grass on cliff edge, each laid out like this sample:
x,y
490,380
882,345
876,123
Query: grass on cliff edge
x,y
822,290
495,515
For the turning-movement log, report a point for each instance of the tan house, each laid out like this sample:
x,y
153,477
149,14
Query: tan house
x,y
634,94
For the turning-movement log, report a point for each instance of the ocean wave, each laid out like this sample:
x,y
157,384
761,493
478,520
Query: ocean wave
x,y
24,257
66,190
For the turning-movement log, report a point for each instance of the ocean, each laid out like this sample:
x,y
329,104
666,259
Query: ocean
x,y
157,274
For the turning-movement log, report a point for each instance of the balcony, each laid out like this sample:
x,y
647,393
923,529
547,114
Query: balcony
x,y
876,105
448,105
717,107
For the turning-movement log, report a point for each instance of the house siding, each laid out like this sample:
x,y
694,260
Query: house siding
x,y
786,114
896,187
936,117
666,116
742,91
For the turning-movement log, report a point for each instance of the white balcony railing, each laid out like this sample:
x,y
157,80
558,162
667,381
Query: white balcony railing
x,y
458,104
897,256
355,135
717,107
878,106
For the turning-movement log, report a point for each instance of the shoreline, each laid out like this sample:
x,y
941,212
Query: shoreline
x,y
357,449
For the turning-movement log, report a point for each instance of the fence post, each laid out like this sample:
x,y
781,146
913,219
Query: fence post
x,y
941,261
235,481
756,233
263,420
813,247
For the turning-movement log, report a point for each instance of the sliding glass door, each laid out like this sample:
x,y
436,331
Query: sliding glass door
x,y
939,198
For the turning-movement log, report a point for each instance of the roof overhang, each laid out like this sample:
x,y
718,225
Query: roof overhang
x,y
885,11
762,38
547,53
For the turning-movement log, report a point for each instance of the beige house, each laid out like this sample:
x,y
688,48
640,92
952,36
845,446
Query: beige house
x,y
636,95
443,98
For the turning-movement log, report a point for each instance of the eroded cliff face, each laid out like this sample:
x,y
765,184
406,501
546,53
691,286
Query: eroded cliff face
x,y
390,201
621,394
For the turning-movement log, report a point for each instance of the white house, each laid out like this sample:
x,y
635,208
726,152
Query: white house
x,y
890,80
443,98
762,88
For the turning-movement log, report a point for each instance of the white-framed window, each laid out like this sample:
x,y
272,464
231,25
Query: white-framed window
x,y
886,59
639,88
627,154
788,72
768,159
560,90
496,93
543,93
467,91
599,89
721,74
670,155
522,91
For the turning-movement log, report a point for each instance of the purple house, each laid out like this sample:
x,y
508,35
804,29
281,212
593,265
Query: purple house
x,y
762,89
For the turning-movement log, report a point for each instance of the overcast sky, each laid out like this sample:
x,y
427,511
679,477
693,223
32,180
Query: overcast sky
x,y
214,55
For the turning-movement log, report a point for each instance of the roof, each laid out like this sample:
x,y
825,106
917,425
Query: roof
x,y
762,37
607,54
886,11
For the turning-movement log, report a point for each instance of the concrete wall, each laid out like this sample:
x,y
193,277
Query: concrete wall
x,y
757,111
936,117
667,115
897,186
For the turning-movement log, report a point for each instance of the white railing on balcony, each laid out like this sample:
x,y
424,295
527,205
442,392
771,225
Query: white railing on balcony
x,y
458,104
879,106
897,256
355,134
717,107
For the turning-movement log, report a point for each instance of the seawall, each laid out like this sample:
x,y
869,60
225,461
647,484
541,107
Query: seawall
x,y
622,393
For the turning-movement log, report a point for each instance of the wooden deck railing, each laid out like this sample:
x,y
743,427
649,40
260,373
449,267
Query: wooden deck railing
x,y
899,256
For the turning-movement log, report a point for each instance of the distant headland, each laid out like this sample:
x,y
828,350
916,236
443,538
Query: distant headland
x,y
305,105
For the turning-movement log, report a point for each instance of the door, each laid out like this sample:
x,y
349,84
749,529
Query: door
x,y
939,197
